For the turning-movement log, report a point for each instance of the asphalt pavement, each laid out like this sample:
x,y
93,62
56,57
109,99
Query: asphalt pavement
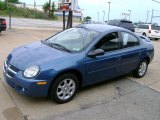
x,y
36,24
123,98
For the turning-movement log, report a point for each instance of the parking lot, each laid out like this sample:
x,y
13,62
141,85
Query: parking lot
x,y
123,98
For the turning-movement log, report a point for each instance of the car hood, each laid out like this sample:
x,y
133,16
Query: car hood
x,y
33,54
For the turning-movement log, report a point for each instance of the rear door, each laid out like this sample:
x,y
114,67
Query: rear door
x,y
131,52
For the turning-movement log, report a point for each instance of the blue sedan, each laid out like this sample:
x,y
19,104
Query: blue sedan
x,y
77,57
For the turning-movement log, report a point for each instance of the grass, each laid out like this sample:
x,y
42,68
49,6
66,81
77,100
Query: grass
x,y
22,12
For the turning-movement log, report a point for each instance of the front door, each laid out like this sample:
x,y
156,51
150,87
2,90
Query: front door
x,y
106,66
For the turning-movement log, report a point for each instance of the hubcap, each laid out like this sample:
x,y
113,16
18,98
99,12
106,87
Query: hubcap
x,y
66,89
143,68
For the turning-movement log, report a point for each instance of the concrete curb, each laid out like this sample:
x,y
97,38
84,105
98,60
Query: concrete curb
x,y
37,28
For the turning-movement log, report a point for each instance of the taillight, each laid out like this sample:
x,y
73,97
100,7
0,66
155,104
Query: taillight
x,y
149,31
4,22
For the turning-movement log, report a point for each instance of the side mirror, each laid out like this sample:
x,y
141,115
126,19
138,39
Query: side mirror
x,y
97,52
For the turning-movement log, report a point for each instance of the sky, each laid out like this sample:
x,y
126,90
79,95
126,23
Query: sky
x,y
138,8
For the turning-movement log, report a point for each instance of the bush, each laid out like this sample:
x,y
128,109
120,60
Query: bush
x,y
21,12
2,6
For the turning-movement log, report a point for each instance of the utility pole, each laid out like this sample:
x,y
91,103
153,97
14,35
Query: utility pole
x,y
153,11
49,8
109,10
147,17
34,9
129,14
152,16
103,15
98,15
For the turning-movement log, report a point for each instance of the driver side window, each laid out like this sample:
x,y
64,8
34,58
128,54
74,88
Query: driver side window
x,y
110,42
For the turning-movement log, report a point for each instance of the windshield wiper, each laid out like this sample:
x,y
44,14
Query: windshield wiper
x,y
56,45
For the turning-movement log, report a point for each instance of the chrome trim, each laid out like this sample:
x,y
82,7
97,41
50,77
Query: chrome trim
x,y
4,69
8,75
5,63
8,67
11,70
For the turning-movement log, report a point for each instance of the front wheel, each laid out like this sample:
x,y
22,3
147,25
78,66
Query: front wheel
x,y
64,88
141,69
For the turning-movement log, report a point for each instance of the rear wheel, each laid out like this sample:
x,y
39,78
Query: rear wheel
x,y
64,88
141,69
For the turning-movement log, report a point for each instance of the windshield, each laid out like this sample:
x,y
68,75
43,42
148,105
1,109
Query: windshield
x,y
73,40
155,27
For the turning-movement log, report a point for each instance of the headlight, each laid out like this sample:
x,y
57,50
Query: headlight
x,y
31,71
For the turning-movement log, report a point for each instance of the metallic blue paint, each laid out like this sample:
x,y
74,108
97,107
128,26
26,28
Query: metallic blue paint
x,y
53,62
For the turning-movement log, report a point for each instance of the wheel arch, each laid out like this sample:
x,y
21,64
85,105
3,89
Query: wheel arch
x,y
147,58
77,73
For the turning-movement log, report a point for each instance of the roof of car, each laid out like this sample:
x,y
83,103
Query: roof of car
x,y
99,27
121,20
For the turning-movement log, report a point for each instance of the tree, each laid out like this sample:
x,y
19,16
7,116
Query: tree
x,y
88,17
46,7
13,1
49,9
6,3
53,9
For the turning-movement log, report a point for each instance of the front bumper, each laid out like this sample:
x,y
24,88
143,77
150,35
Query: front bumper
x,y
28,87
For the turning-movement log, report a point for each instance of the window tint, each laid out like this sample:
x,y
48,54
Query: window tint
x,y
144,26
155,27
114,23
74,39
88,35
126,25
109,43
129,40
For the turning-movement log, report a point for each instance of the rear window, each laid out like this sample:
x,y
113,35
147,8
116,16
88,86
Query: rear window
x,y
114,23
126,25
155,27
144,26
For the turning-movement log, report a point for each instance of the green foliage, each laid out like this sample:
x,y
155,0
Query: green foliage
x,y
46,7
88,17
13,1
2,6
52,9
22,12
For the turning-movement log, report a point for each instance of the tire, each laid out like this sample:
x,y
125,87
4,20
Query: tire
x,y
144,34
141,69
64,88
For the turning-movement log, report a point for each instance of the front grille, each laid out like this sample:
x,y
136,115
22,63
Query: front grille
x,y
9,69
14,68
9,73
